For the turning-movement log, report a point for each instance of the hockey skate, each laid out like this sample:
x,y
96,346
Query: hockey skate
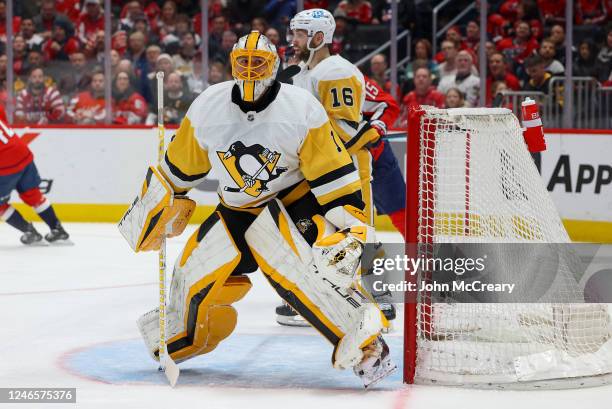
x,y
285,315
58,235
376,363
31,237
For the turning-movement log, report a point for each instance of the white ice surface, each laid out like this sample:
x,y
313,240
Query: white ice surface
x,y
67,319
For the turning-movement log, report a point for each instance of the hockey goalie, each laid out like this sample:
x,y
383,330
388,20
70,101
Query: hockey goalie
x,y
290,206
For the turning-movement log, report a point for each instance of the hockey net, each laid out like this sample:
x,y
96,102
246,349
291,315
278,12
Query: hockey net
x,y
470,179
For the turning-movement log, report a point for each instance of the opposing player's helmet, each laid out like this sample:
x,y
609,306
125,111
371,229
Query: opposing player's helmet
x,y
254,64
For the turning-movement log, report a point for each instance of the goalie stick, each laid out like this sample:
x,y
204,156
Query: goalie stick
x,y
166,363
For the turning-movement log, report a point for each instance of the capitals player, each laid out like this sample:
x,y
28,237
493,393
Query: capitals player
x,y
340,87
290,204
18,172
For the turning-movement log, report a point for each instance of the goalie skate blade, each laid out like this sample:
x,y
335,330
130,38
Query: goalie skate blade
x,y
172,371
383,374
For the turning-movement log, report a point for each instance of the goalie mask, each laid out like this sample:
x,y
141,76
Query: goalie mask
x,y
254,65
312,21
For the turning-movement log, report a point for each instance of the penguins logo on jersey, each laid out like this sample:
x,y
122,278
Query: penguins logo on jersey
x,y
251,167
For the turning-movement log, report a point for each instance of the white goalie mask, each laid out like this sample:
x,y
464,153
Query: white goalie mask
x,y
313,21
254,65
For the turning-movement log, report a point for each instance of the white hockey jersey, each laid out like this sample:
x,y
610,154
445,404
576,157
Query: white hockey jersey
x,y
259,149
340,87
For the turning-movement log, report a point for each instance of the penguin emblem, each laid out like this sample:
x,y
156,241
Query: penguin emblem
x,y
250,167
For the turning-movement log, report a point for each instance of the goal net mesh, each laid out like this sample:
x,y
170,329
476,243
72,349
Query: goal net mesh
x,y
479,184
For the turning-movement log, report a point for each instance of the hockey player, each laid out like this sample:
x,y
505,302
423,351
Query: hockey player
x,y
18,172
340,88
286,184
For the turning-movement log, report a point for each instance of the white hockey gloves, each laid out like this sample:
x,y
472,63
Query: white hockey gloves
x,y
154,213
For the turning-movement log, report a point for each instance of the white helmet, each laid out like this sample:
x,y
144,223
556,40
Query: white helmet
x,y
254,65
313,21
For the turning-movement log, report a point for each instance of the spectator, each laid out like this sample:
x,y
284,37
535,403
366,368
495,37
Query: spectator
x,y
497,89
136,53
130,107
38,104
521,46
33,40
241,12
454,98
91,21
274,37
183,26
587,64
183,61
119,42
77,77
490,49
605,55
378,66
35,60
358,10
340,34
152,53
557,35
463,79
259,24
472,36
278,12
424,93
164,63
88,107
590,12
176,101
62,43
45,21
16,22
447,68
422,57
547,53
539,79
3,70
219,26
552,11
166,22
69,8
114,58
316,4
227,43
132,10
20,52
217,73
498,72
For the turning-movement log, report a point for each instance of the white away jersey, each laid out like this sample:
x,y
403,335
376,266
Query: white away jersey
x,y
258,153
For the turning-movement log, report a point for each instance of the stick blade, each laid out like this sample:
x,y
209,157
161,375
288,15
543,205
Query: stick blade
x,y
171,370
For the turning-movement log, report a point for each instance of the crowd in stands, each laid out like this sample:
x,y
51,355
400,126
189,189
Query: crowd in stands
x,y
58,52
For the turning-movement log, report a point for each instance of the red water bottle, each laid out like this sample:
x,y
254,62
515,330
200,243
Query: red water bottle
x,y
533,131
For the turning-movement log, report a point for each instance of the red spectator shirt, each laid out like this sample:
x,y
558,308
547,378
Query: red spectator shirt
x,y
70,46
515,51
84,104
553,8
433,98
70,8
362,14
130,111
316,4
40,109
14,154
590,9
88,27
16,26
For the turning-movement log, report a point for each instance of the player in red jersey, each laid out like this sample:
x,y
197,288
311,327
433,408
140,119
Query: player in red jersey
x,y
18,172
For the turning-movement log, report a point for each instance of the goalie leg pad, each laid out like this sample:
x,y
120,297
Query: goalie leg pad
x,y
155,213
200,314
288,265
